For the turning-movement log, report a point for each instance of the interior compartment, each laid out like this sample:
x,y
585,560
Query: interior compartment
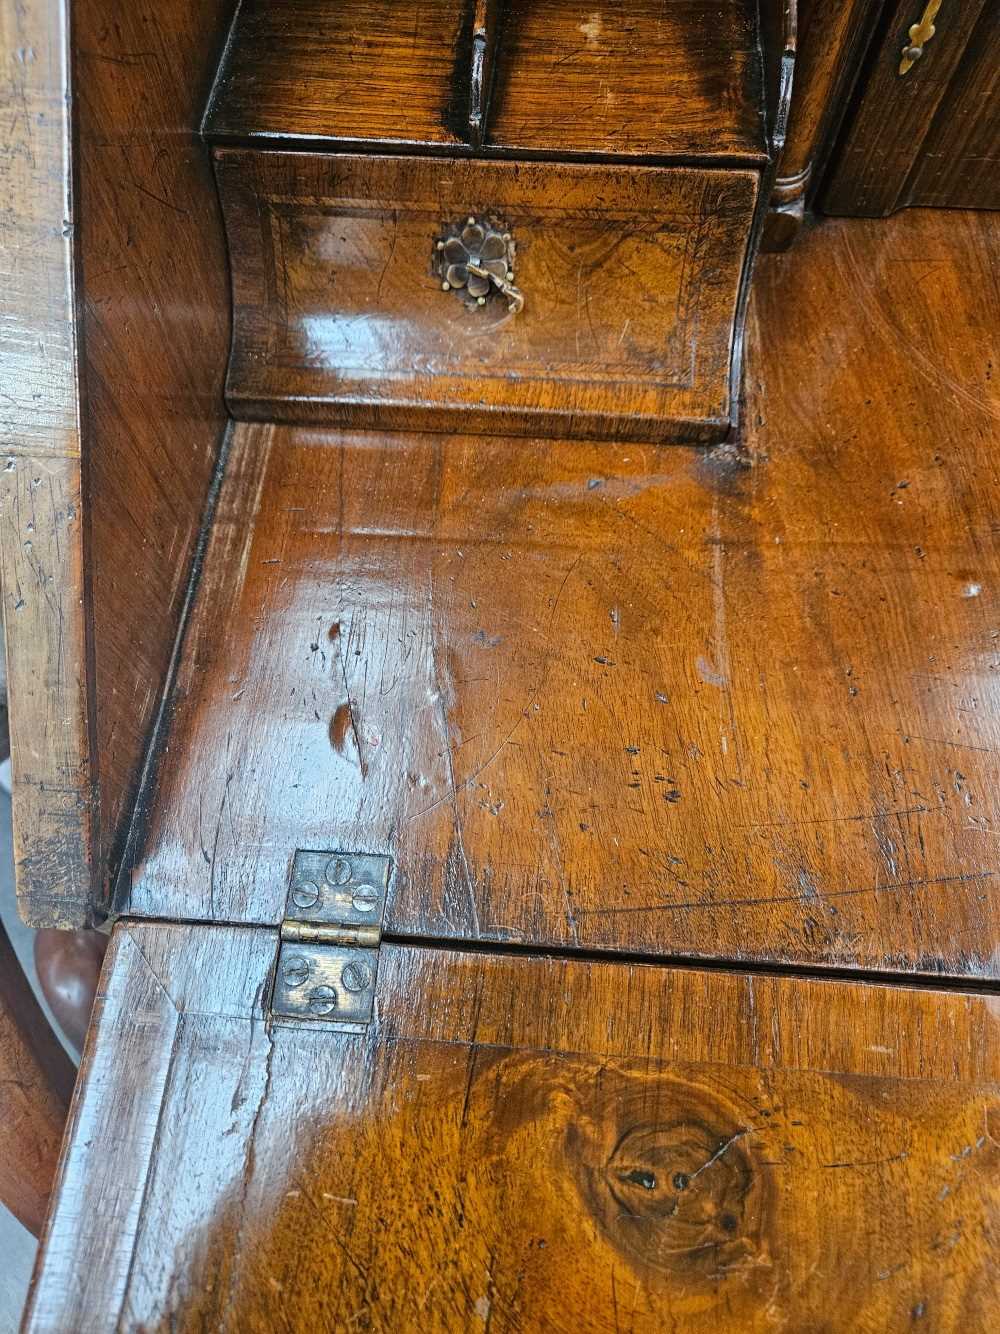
x,y
666,79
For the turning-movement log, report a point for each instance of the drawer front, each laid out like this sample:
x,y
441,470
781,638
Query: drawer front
x,y
616,316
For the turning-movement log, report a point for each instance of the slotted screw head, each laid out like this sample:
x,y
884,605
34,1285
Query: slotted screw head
x,y
339,871
356,976
322,1000
306,895
365,898
294,971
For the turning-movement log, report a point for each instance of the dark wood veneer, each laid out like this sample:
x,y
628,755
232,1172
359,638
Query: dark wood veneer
x,y
833,36
932,135
626,80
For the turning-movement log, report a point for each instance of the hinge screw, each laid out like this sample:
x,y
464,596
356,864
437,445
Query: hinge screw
x,y
365,898
322,1000
339,870
356,976
295,971
306,895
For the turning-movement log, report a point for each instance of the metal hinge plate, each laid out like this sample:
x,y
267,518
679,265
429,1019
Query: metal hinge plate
x,y
328,957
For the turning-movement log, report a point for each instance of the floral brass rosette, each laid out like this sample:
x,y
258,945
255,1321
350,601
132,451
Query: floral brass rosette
x,y
476,261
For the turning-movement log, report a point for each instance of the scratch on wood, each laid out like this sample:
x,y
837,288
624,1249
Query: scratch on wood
x,y
789,898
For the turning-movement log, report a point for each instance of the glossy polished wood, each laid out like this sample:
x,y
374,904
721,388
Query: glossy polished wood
x,y
36,1079
524,1143
630,279
68,964
156,338
622,697
41,528
355,73
931,136
628,79
115,341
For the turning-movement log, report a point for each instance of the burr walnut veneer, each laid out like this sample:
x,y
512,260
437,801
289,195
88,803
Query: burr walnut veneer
x,y
630,278
533,1144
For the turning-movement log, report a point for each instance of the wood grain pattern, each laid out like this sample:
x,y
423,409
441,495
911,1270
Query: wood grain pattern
x,y
959,165
41,527
42,547
106,543
177,1008
931,136
40,412
622,697
630,280
36,1079
348,73
156,336
626,80
634,79
524,1143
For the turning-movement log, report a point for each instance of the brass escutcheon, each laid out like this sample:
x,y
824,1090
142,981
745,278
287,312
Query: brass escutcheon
x,y
476,260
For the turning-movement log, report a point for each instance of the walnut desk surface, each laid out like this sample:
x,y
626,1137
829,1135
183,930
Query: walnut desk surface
x,y
664,701
597,702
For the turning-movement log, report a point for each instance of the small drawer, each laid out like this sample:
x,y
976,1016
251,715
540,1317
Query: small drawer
x,y
608,307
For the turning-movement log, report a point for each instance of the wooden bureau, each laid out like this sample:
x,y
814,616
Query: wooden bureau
x,y
537,757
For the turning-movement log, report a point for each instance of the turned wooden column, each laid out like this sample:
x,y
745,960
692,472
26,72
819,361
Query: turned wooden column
x,y
36,1080
832,38
69,966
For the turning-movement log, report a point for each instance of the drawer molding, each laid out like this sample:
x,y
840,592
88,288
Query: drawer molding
x,y
632,279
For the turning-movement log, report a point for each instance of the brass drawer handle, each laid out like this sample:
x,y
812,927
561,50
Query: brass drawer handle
x,y
920,34
475,260
514,295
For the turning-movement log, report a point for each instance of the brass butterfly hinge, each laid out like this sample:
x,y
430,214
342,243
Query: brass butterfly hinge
x,y
330,937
